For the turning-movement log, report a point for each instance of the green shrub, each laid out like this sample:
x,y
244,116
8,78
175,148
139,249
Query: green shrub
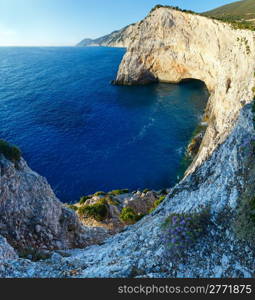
x,y
146,191
11,152
100,194
253,111
157,203
97,211
253,105
33,254
128,216
112,201
181,231
119,192
71,206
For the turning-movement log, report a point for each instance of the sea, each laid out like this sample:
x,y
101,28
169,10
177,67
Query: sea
x,y
86,135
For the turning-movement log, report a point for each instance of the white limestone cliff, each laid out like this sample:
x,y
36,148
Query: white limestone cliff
x,y
169,46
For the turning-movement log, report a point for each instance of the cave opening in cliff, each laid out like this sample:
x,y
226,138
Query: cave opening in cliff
x,y
196,83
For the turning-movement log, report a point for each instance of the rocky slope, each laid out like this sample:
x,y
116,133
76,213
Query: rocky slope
x,y
31,217
139,251
170,46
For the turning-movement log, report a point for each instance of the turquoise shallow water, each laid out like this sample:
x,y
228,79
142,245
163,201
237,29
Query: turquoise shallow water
x,y
85,135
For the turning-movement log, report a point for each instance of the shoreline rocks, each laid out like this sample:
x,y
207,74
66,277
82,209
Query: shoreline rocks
x,y
138,203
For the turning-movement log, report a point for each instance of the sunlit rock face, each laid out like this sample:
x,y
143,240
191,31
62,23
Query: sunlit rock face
x,y
170,46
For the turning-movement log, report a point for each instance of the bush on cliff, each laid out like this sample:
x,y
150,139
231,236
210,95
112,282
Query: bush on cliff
x,y
181,231
97,211
128,216
157,203
11,152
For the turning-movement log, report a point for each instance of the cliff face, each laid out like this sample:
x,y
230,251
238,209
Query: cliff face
x,y
31,217
6,251
170,46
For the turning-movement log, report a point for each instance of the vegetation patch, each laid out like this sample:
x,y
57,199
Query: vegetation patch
x,y
181,231
112,201
253,90
245,222
157,203
164,192
253,110
100,194
11,152
195,142
128,216
97,211
192,148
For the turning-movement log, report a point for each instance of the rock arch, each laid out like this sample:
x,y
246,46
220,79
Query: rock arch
x,y
170,46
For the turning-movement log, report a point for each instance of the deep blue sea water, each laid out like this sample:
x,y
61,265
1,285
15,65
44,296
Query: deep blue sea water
x,y
85,135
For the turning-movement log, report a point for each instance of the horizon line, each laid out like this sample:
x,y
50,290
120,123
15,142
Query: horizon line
x,y
23,46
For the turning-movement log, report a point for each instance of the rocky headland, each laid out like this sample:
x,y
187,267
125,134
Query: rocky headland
x,y
213,205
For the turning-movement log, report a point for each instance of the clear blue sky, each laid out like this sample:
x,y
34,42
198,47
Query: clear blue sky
x,y
66,22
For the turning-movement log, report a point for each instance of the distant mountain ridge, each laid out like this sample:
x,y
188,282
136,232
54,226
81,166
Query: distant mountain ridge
x,y
114,39
240,10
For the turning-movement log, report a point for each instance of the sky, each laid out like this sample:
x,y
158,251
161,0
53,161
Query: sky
x,y
66,22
